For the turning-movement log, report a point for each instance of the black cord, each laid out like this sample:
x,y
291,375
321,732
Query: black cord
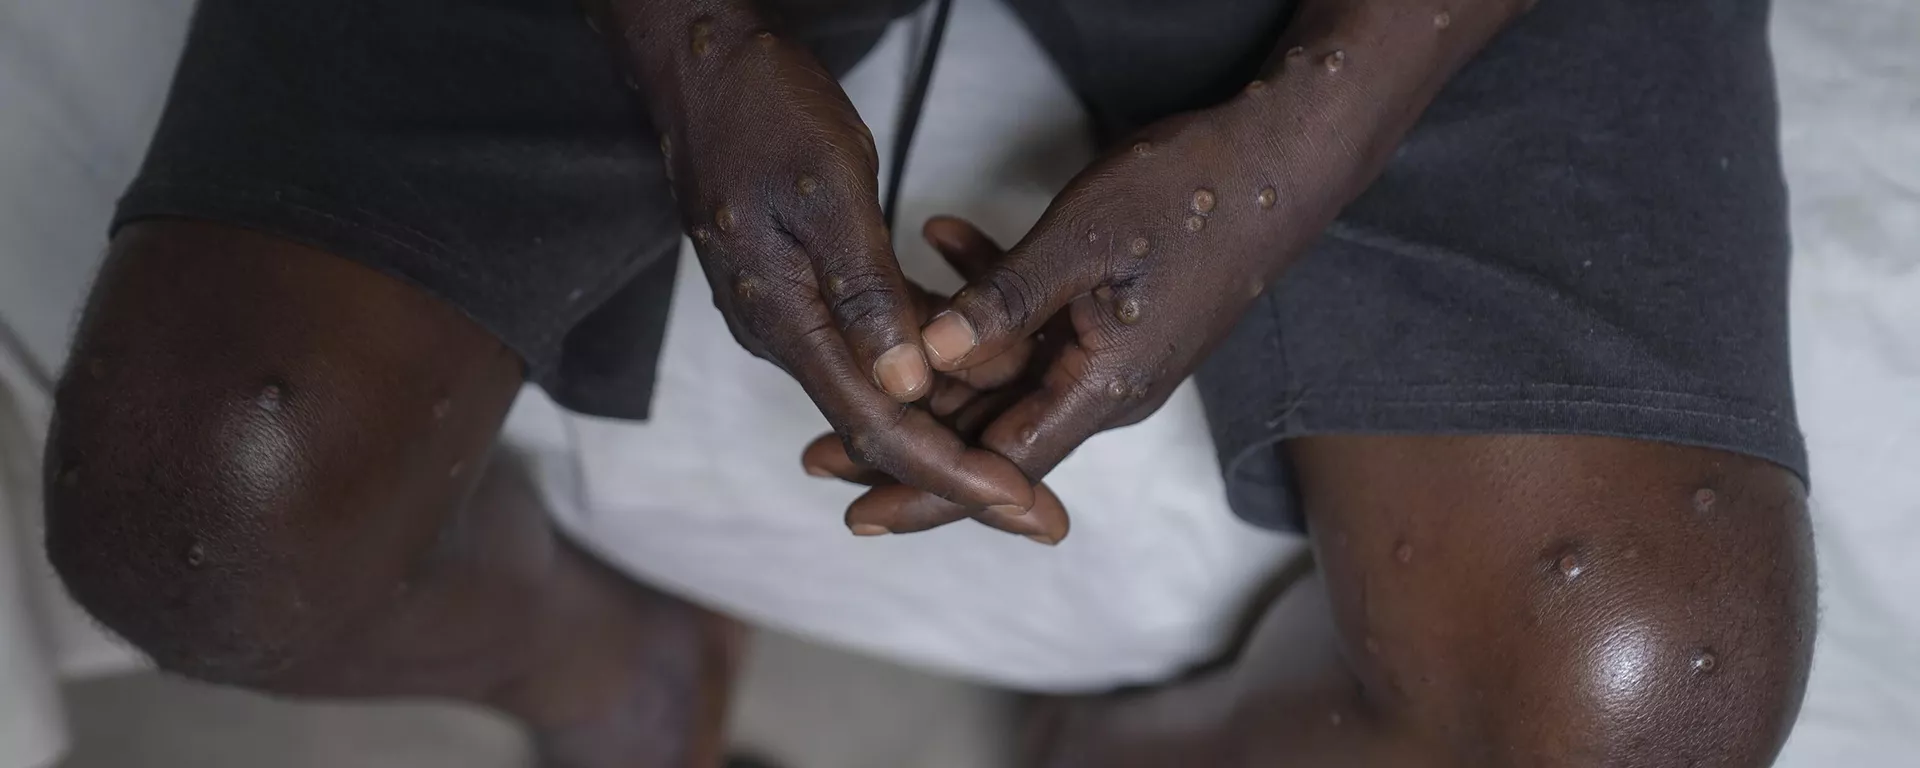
x,y
911,109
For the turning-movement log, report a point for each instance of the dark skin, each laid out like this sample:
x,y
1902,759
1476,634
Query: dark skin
x,y
269,468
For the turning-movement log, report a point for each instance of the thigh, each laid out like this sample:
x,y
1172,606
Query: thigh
x,y
1133,62
1585,234
490,154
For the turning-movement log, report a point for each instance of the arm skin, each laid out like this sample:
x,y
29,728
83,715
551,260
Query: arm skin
x,y
1156,250
777,184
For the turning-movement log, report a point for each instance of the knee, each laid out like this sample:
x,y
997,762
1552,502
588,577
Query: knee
x,y
256,443
1613,661
1648,687
173,517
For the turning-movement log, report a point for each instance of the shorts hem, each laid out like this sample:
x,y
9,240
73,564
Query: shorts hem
x,y
1557,409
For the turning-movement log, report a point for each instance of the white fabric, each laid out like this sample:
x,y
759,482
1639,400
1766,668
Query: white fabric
x,y
1132,592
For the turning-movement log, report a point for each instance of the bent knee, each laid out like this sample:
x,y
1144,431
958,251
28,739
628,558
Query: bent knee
x,y
174,518
1560,601
252,444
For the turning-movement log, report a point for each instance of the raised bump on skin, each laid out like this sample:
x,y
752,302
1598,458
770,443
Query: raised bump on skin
x,y
1334,61
807,185
1704,499
723,218
1196,223
745,286
702,235
1569,566
1143,148
1267,197
1127,311
270,398
1442,20
836,284
196,555
1092,236
1256,86
701,37
1139,247
1704,662
1297,52
1204,200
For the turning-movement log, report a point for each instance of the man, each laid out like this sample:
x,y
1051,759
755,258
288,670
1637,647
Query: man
x,y
265,469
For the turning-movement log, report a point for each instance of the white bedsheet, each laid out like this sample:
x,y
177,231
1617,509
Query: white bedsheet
x,y
80,81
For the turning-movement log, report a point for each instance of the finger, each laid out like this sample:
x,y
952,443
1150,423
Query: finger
x,y
827,457
1015,297
1087,389
999,370
870,300
902,441
904,509
950,395
968,250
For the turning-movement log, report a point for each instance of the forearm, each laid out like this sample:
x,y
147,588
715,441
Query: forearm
x,y
1345,84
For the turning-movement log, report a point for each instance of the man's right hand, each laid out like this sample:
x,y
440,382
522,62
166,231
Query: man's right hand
x,y
777,182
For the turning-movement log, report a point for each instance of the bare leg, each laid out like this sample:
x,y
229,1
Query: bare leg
x,y
263,472
1505,601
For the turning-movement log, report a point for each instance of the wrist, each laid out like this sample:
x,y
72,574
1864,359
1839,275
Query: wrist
x,y
677,52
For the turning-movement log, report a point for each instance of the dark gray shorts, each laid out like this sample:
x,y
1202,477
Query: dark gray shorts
x,y
1586,234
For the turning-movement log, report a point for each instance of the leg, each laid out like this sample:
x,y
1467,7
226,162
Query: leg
x,y
263,472
1506,600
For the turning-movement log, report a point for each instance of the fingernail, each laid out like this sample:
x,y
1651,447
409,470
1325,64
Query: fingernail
x,y
1007,509
818,472
902,372
868,529
950,338
1044,540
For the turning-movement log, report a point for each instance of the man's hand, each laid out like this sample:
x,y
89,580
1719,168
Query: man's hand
x,y
776,179
1154,252
965,400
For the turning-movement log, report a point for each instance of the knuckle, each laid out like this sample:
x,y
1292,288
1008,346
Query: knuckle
x,y
864,304
1011,296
